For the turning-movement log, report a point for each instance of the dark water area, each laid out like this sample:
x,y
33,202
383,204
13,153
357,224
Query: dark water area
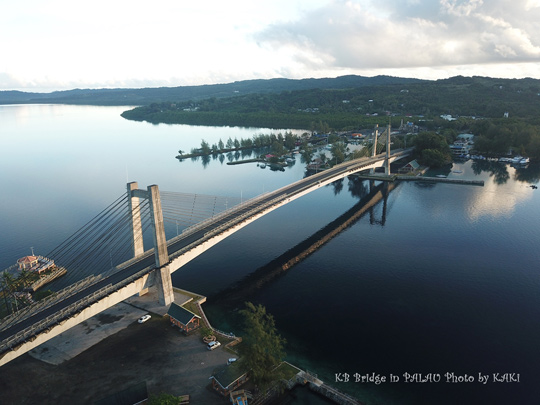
x,y
435,279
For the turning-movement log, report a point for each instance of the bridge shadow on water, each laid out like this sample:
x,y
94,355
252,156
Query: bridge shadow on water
x,y
370,196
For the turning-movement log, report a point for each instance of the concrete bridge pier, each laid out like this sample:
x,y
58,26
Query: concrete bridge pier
x,y
163,274
136,224
164,285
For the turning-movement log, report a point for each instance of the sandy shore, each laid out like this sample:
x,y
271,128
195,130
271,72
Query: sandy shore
x,y
111,352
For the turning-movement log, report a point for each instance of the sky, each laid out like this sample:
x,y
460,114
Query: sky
x,y
48,45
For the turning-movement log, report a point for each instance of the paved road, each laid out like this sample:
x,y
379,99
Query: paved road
x,y
236,215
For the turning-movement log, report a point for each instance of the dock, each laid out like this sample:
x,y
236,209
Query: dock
x,y
305,377
394,177
441,180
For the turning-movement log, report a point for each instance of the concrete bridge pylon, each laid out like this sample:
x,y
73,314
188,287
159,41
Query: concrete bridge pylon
x,y
162,277
387,160
136,224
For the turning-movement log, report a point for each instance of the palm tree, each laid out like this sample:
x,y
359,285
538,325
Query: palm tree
x,y
10,283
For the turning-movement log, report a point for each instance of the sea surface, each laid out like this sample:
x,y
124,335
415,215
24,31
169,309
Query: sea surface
x,y
431,297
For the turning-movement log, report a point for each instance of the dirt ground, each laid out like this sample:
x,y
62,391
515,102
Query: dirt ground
x,y
154,352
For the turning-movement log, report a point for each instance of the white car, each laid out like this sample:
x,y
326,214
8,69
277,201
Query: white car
x,y
144,318
213,345
231,361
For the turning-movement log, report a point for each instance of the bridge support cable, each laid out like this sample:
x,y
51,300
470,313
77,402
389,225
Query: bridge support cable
x,y
112,245
184,210
93,241
72,240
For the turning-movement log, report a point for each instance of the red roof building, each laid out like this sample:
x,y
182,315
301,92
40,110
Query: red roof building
x,y
27,262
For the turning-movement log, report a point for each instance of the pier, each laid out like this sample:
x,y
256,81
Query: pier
x,y
305,377
394,177
441,180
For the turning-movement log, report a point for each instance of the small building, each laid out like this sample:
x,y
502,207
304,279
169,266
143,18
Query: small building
x,y
228,378
27,262
410,167
35,263
462,145
186,320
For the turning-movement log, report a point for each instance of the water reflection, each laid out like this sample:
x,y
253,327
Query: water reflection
x,y
338,186
497,170
205,160
253,283
530,174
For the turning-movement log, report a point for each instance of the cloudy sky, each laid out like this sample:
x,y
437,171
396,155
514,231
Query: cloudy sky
x,y
63,44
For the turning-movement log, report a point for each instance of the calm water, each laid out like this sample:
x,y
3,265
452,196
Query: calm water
x,y
449,283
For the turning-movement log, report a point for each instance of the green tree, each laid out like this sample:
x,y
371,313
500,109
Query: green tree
x,y
262,348
290,140
432,149
307,153
338,152
278,149
434,158
205,147
39,295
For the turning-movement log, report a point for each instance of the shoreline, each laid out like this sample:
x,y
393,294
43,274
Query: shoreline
x,y
111,351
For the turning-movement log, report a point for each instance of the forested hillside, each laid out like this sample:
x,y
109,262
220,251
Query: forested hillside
x,y
478,103
145,96
349,107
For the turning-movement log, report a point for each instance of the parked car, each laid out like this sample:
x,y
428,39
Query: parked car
x,y
213,345
144,318
231,361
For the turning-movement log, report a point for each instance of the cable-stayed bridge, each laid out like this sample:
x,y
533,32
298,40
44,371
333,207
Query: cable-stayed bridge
x,y
118,235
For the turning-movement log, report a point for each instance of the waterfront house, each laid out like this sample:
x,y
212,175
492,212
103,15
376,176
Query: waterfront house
x,y
410,167
186,320
462,145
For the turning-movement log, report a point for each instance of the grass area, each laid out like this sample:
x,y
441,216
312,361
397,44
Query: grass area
x,y
288,370
190,306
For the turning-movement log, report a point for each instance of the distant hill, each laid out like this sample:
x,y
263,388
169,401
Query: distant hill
x,y
146,96
351,101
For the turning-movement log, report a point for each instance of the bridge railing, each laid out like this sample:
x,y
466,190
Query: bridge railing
x,y
47,301
73,309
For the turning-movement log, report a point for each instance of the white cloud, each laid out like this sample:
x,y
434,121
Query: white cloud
x,y
456,33
64,44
